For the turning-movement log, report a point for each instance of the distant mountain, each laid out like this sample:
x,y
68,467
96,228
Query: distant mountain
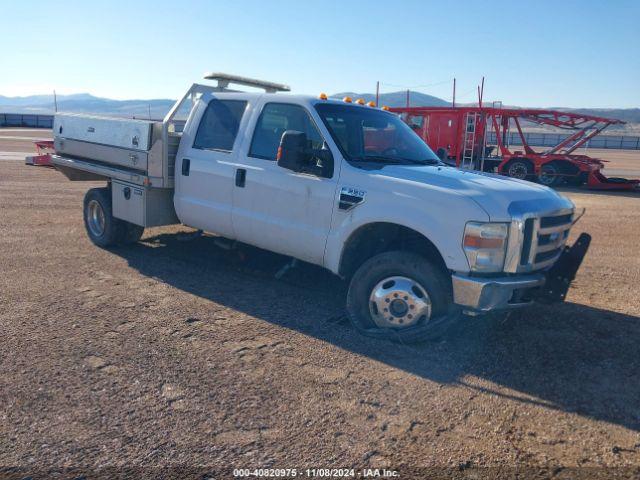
x,y
86,103
630,115
398,99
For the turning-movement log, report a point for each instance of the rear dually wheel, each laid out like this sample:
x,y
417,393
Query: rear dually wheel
x,y
103,229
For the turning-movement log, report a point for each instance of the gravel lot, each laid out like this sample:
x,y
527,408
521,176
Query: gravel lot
x,y
175,357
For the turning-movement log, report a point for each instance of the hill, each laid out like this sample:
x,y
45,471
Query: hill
x,y
398,99
86,103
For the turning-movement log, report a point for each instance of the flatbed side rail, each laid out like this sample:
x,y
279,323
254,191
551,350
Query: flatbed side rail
x,y
93,170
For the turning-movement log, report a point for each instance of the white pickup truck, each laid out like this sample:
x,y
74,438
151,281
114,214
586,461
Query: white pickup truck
x,y
336,183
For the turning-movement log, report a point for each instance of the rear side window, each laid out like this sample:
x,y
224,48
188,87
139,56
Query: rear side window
x,y
274,120
219,125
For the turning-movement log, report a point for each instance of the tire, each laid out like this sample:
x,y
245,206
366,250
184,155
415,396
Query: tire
x,y
550,175
520,169
103,229
382,274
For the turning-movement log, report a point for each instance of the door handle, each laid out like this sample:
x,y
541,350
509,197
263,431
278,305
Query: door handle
x,y
241,177
186,165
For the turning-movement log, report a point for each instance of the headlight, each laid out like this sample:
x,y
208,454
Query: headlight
x,y
485,245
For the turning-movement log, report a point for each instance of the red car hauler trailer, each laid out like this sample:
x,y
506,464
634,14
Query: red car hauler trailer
x,y
477,138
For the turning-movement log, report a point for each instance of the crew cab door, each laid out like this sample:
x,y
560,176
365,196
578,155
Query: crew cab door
x,y
275,208
204,170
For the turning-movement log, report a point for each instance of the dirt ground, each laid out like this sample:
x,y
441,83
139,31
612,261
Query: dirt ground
x,y
174,357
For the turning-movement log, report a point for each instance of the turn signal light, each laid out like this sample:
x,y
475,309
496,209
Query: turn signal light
x,y
480,242
360,101
322,96
371,104
347,99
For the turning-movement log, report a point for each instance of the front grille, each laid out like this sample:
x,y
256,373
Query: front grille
x,y
546,222
544,240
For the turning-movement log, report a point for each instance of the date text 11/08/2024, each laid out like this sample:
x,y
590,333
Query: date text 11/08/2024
x,y
315,473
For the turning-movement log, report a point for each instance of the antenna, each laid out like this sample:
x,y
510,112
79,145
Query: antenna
x,y
55,102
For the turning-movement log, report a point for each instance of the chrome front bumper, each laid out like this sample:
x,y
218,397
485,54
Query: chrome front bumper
x,y
485,294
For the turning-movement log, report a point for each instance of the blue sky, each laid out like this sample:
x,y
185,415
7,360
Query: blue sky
x,y
533,53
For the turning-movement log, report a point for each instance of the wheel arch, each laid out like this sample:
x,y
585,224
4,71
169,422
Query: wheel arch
x,y
378,237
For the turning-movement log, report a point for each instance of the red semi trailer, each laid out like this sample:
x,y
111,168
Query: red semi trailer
x,y
477,138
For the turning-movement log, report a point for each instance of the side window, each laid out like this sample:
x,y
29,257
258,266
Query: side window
x,y
219,125
274,120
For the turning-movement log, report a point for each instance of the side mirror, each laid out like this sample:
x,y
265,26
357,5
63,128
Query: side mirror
x,y
292,150
294,154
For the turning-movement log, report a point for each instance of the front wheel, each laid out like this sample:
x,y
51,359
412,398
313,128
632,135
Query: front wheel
x,y
400,296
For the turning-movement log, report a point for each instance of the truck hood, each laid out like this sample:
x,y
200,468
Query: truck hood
x,y
493,193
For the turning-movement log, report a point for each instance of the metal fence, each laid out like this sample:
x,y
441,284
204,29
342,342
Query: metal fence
x,y
30,120
622,142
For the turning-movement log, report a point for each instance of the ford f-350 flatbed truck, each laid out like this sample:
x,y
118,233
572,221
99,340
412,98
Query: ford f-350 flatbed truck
x,y
340,184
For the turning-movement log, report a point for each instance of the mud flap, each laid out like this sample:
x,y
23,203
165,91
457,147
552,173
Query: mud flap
x,y
560,276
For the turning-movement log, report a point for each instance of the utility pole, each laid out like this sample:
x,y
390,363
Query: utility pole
x,y
480,93
407,98
377,93
453,103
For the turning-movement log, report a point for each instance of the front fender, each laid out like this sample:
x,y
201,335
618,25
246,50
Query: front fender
x,y
442,222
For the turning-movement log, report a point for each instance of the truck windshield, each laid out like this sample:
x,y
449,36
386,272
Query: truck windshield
x,y
364,134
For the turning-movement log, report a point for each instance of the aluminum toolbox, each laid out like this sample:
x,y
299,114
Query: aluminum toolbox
x,y
119,148
115,132
124,157
147,207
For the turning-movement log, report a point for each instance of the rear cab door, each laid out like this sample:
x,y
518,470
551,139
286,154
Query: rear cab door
x,y
205,163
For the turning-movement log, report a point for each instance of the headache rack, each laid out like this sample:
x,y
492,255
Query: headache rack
x,y
142,152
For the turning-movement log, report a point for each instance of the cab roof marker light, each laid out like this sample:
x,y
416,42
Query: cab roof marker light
x,y
385,108
347,99
322,96
371,104
360,101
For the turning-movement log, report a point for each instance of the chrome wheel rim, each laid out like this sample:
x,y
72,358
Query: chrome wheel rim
x,y
95,218
547,175
518,170
399,302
